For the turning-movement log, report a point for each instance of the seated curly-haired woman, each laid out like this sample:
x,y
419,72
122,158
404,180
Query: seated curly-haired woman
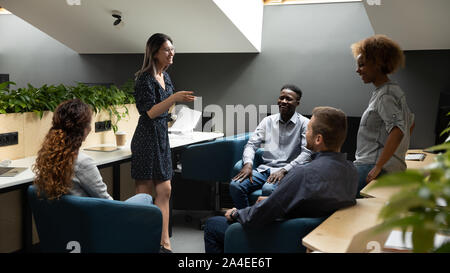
x,y
61,168
387,123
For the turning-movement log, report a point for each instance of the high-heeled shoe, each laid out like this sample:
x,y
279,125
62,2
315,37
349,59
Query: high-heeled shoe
x,y
165,250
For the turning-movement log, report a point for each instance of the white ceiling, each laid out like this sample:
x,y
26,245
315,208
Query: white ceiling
x,y
210,26
196,26
414,24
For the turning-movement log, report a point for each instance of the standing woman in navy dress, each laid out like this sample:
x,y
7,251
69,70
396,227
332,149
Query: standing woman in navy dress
x,y
151,164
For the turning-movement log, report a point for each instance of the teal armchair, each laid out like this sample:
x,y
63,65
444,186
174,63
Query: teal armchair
x,y
213,161
217,158
93,225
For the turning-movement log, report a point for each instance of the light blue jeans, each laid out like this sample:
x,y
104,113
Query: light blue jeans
x,y
140,199
239,191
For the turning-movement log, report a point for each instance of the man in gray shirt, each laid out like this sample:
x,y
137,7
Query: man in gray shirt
x,y
315,189
283,136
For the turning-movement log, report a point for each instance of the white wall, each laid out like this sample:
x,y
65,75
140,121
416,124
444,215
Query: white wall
x,y
31,56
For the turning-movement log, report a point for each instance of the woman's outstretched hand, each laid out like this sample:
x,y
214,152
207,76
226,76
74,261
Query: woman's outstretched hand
x,y
183,96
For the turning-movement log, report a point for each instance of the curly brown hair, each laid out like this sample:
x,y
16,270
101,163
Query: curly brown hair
x,y
56,158
381,51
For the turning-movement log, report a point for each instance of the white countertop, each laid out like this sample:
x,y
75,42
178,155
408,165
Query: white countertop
x,y
101,158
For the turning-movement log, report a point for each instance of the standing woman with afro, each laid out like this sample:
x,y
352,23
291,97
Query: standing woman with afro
x,y
387,123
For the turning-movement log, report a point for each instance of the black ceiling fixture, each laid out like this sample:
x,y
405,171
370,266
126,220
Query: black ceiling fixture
x,y
118,15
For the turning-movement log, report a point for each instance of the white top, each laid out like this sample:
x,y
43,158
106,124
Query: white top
x,y
87,180
284,143
100,158
387,109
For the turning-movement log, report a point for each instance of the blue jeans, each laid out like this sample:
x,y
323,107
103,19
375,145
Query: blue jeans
x,y
363,171
140,199
239,191
214,235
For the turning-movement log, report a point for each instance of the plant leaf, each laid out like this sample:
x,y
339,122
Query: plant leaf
x,y
422,239
399,222
445,248
407,178
444,146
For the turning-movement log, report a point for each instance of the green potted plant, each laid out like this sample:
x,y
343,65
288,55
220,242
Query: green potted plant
x,y
111,99
422,205
46,98
28,110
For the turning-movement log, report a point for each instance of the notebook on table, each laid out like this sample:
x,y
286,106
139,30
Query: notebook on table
x,y
415,156
10,171
102,149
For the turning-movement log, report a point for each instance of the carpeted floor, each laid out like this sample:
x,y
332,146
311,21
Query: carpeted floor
x,y
186,234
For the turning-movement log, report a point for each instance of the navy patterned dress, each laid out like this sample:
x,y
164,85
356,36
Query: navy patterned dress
x,y
150,150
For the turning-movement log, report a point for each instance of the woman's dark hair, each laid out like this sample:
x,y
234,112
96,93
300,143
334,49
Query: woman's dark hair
x,y
294,88
54,165
154,43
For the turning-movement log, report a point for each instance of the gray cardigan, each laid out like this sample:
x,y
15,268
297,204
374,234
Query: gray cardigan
x,y
87,180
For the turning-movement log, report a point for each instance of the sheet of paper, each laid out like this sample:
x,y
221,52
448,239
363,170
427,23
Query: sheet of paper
x,y
187,119
395,241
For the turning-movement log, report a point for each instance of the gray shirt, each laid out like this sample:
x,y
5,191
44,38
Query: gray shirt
x,y
387,109
284,143
87,180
